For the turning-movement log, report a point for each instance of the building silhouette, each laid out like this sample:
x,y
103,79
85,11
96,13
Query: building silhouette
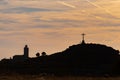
x,y
26,52
22,57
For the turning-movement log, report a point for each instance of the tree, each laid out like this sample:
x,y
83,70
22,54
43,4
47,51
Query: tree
x,y
43,53
38,54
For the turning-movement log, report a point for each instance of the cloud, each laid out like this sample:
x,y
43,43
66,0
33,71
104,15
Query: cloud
x,y
26,10
3,2
5,21
104,9
66,4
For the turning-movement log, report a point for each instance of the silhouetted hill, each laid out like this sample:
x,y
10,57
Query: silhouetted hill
x,y
80,59
88,49
88,58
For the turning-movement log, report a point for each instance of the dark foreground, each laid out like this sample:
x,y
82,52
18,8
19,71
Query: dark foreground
x,y
52,77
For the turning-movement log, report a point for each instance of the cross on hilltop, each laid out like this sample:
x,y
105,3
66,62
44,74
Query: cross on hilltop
x,y
83,39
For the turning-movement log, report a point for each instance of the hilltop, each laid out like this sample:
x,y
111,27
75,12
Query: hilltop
x,y
87,59
80,59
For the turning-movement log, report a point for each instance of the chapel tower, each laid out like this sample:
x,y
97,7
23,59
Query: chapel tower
x,y
26,51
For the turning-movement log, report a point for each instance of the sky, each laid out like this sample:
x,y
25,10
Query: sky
x,y
54,25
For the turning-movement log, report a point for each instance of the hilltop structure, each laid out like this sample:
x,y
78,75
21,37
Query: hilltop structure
x,y
22,57
83,40
80,59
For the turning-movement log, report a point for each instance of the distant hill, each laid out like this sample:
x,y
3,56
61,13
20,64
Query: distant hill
x,y
80,59
88,58
88,49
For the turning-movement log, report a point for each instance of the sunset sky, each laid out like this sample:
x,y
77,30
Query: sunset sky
x,y
54,25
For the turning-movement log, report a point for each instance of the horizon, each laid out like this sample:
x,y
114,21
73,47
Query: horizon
x,y
52,26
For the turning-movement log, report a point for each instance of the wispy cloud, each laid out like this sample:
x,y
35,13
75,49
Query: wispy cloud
x,y
66,4
26,10
3,2
103,9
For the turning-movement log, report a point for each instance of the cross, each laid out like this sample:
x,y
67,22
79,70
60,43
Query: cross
x,y
83,36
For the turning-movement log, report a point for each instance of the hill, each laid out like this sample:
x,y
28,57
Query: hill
x,y
80,59
87,59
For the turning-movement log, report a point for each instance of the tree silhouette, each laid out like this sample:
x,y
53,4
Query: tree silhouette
x,y
38,54
43,53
